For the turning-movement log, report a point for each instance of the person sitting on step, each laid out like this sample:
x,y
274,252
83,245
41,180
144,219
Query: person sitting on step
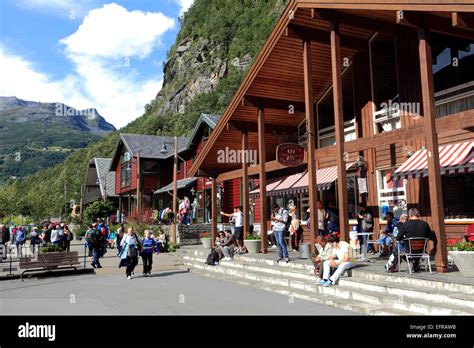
x,y
228,245
339,259
324,250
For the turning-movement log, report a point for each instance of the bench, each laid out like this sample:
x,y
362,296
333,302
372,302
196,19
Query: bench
x,y
49,261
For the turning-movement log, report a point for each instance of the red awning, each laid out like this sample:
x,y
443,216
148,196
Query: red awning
x,y
453,159
298,183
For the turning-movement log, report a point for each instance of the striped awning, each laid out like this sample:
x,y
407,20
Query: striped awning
x,y
453,159
298,183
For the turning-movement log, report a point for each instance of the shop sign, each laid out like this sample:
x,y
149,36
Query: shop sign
x,y
290,155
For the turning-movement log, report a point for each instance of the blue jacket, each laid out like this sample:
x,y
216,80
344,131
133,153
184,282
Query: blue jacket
x,y
20,236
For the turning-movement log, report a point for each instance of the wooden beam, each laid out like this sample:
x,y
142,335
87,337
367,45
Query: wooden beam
x,y
435,23
263,180
270,103
353,20
336,63
431,139
252,127
322,36
245,182
213,211
311,131
462,20
138,186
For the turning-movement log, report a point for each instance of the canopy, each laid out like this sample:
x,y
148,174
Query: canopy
x,y
298,183
453,159
180,184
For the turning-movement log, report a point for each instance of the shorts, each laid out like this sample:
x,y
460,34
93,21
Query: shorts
x,y
239,232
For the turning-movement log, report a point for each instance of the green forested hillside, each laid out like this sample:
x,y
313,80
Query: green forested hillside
x,y
217,42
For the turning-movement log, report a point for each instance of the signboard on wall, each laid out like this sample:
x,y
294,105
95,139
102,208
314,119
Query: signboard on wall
x,y
290,154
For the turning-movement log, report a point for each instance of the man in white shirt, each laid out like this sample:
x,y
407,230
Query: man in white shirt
x,y
339,258
238,226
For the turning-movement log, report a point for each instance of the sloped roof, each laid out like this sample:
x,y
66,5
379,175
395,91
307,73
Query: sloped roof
x,y
105,176
209,119
180,184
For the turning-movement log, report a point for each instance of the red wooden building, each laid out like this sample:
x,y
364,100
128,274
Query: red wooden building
x,y
381,94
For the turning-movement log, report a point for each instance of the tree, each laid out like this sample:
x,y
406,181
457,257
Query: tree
x,y
99,210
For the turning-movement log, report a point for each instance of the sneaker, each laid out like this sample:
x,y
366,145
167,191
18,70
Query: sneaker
x,y
93,265
287,259
145,274
328,283
278,260
99,266
129,277
149,273
322,282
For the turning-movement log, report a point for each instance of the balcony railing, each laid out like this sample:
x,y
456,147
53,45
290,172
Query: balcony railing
x,y
455,99
388,118
327,136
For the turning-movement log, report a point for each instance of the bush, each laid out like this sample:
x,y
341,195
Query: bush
x,y
461,246
252,236
50,249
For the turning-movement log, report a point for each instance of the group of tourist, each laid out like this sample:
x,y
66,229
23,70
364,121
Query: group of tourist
x,y
51,233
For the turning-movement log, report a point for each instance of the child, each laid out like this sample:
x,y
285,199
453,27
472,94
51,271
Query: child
x,y
149,247
118,239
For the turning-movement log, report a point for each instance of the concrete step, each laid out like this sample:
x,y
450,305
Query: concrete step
x,y
357,273
408,300
414,280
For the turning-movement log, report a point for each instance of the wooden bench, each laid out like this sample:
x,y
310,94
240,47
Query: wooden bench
x,y
50,261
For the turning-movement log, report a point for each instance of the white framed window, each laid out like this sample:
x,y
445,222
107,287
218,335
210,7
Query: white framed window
x,y
391,193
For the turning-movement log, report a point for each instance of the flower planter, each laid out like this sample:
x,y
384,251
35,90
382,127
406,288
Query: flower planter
x,y
253,246
464,261
206,243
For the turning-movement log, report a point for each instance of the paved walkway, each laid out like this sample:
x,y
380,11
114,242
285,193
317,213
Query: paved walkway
x,y
169,291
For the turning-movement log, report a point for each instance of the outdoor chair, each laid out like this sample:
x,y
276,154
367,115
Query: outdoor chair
x,y
416,248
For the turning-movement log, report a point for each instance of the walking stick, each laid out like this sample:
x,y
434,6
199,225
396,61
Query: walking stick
x,y
85,248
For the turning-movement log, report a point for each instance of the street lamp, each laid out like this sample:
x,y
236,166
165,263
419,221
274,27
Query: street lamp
x,y
164,151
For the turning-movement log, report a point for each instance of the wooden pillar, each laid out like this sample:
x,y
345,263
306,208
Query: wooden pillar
x,y
263,179
431,138
245,181
174,225
138,186
213,211
339,125
120,209
311,131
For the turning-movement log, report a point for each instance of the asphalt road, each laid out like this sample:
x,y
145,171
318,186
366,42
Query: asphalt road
x,y
166,292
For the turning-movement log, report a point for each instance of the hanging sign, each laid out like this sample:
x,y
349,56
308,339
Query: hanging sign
x,y
290,155
362,184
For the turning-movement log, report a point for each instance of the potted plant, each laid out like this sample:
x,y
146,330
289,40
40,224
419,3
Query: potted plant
x,y
253,243
206,240
462,253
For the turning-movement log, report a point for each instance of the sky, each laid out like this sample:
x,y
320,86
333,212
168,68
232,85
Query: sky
x,y
98,54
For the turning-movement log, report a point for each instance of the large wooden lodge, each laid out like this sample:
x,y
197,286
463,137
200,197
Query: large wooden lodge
x,y
381,95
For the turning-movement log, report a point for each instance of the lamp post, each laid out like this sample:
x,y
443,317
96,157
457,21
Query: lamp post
x,y
164,150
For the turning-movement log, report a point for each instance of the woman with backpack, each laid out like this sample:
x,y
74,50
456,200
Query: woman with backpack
x,y
130,249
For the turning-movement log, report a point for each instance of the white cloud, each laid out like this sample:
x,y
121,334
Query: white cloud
x,y
107,38
114,32
184,5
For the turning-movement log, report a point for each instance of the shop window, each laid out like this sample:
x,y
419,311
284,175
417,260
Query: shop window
x,y
125,169
453,74
391,193
458,191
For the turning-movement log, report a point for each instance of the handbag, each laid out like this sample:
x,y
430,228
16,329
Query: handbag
x,y
132,252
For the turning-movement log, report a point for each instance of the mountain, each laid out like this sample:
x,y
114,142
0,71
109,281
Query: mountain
x,y
216,45
34,135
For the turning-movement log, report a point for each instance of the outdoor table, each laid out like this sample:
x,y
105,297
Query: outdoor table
x,y
365,236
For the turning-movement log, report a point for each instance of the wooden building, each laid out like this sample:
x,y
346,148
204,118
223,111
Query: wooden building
x,y
366,87
100,182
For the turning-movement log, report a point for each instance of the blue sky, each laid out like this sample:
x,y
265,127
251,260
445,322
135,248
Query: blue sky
x,y
87,53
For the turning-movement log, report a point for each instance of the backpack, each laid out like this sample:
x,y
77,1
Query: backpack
x,y
96,237
212,258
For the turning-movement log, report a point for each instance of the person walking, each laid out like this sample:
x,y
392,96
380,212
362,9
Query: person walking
x,y
149,247
20,238
5,237
279,219
96,241
129,255
35,240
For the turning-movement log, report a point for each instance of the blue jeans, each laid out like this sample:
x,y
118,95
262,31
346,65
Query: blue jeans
x,y
280,240
95,256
